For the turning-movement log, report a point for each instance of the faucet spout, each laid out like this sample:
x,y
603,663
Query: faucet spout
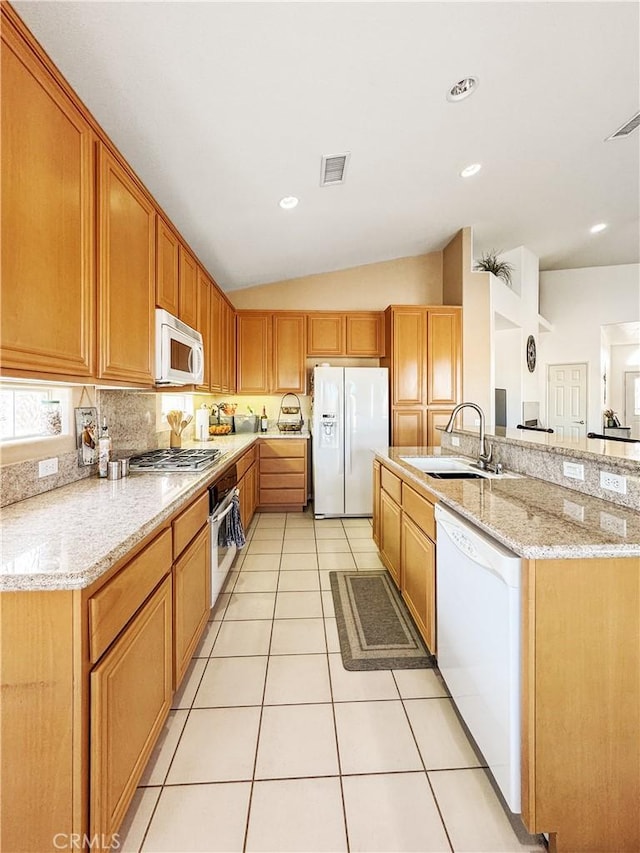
x,y
485,450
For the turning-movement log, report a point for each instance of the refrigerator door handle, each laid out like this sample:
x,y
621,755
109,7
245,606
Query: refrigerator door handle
x,y
348,426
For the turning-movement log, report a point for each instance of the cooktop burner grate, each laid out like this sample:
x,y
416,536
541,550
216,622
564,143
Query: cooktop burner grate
x,y
191,459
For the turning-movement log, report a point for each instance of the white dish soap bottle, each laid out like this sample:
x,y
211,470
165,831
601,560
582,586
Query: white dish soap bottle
x,y
104,450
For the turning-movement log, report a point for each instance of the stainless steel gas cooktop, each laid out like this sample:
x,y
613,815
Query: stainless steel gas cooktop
x,y
188,459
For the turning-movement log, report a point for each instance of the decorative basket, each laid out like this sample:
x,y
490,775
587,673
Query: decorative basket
x,y
286,408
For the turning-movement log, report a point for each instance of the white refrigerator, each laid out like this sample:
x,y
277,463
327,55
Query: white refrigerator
x,y
350,420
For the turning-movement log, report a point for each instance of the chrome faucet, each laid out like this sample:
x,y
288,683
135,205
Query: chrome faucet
x,y
486,450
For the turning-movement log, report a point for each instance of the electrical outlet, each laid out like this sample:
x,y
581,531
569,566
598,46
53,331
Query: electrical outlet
x,y
455,441
613,524
573,470
613,482
48,467
573,511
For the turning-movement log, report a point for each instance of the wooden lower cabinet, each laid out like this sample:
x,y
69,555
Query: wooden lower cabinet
x,y
283,474
418,562
131,690
376,502
390,535
248,486
191,600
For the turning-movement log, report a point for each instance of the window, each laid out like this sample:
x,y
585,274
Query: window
x,y
28,412
167,402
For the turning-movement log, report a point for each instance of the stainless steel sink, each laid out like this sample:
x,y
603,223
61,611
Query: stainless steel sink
x,y
452,468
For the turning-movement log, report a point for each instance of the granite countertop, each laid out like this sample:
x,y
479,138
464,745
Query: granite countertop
x,y
67,537
531,517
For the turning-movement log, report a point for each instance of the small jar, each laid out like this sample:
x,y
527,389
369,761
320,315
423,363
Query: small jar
x,y
50,417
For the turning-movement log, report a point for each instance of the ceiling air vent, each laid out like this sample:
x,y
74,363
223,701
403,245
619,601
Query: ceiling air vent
x,y
626,128
333,169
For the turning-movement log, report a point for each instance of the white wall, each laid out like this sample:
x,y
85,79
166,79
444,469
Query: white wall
x,y
577,302
516,309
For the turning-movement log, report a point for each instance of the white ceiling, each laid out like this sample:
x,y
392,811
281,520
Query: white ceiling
x,y
223,108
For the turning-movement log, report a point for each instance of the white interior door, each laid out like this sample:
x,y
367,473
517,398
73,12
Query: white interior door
x,y
567,400
632,401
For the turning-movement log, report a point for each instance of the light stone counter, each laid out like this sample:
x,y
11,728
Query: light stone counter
x,y
533,518
66,538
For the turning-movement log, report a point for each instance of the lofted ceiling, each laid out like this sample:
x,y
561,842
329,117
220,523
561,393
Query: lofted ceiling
x,y
223,108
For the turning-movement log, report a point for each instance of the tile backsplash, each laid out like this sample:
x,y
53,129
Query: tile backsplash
x,y
131,417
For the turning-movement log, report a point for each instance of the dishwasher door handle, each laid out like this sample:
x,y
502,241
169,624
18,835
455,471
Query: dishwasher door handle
x,y
461,540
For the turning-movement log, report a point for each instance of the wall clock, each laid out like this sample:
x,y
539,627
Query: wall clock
x,y
531,353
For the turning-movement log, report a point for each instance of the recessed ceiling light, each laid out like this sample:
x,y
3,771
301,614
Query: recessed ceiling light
x,y
468,171
288,202
595,229
462,89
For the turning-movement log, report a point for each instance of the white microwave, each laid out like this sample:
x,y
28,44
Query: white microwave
x,y
179,351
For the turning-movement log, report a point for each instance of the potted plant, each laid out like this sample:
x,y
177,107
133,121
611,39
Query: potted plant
x,y
489,262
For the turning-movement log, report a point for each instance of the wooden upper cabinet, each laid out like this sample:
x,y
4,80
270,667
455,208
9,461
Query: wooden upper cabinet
x,y
408,356
126,274
289,352
444,356
254,352
188,298
203,325
365,334
215,351
231,349
325,334
167,260
48,273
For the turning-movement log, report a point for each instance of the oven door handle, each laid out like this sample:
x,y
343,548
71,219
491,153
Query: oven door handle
x,y
217,518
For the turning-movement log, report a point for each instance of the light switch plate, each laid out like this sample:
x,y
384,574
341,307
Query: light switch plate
x,y
573,470
455,441
48,467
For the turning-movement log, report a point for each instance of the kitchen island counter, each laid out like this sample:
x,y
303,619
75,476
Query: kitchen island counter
x,y
68,537
531,517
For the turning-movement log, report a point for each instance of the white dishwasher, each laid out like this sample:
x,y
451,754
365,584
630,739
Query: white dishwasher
x,y
478,612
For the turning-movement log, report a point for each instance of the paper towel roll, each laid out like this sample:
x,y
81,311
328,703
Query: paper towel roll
x,y
202,424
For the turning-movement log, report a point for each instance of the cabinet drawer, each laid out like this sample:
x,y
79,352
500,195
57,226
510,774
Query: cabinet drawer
x,y
281,481
245,462
282,466
285,497
189,523
419,510
111,608
289,447
391,484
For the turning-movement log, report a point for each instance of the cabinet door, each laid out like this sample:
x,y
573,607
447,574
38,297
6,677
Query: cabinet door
x,y
289,353
254,352
419,579
48,272
191,600
231,349
131,691
204,325
188,312
408,357
408,427
126,275
325,334
390,534
365,334
167,255
436,418
376,502
443,356
217,354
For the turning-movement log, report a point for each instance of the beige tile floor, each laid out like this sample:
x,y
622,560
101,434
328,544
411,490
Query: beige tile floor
x,y
273,746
